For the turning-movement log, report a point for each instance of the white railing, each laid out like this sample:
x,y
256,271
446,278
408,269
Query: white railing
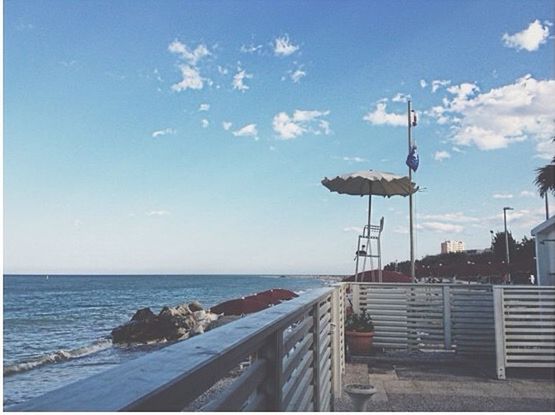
x,y
451,317
524,327
295,365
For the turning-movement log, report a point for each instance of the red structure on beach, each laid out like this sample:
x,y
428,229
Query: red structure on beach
x,y
253,303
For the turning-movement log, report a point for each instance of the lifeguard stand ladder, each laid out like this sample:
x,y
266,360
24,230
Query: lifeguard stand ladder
x,y
369,234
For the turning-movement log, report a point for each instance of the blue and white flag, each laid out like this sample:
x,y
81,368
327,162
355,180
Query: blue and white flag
x,y
412,158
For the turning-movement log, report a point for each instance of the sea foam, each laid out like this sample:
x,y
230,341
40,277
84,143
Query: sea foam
x,y
57,356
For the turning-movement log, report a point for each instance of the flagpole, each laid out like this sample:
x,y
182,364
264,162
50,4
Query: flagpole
x,y
412,271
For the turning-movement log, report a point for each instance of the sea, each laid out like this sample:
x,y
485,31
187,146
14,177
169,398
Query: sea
x,y
57,327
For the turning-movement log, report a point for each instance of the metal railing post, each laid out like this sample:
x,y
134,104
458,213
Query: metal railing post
x,y
336,343
499,331
273,353
316,355
447,317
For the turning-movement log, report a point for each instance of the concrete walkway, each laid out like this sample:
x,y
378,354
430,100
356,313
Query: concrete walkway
x,y
448,387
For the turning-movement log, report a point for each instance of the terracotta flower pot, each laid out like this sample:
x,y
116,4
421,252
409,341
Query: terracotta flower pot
x,y
359,342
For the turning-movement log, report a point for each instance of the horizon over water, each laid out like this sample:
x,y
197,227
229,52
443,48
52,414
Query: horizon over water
x,y
57,326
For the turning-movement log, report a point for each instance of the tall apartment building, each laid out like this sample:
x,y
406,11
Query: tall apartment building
x,y
452,246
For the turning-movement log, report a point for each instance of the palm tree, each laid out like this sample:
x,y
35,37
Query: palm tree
x,y
545,178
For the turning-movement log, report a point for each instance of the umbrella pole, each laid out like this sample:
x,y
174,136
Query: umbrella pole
x,y
368,248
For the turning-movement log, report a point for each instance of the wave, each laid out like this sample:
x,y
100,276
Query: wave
x,y
57,356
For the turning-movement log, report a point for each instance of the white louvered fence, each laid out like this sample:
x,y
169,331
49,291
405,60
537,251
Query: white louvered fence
x,y
525,327
429,317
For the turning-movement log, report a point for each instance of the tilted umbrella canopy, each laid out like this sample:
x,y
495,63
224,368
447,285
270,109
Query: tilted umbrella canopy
x,y
239,306
371,182
280,293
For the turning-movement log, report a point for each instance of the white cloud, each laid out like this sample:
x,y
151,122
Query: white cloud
x,y
226,125
190,72
284,47
222,70
204,107
423,83
501,116
529,39
285,127
462,91
354,159
441,155
188,55
502,196
457,217
400,97
297,75
519,218
158,213
527,193
438,83
457,150
205,123
191,79
288,127
441,227
380,116
439,113
239,78
248,130
250,48
165,131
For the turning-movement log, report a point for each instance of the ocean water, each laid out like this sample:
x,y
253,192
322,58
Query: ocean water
x,y
56,328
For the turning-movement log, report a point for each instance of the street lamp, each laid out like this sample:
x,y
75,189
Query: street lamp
x,y
505,209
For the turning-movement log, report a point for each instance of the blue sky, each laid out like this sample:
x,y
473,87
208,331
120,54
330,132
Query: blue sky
x,y
191,137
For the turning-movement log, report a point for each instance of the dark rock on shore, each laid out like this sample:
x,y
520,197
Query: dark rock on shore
x,y
172,323
144,314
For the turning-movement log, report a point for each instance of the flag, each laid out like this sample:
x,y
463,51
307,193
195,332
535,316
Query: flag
x,y
413,119
412,158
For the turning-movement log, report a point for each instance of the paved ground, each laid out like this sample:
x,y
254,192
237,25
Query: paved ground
x,y
438,385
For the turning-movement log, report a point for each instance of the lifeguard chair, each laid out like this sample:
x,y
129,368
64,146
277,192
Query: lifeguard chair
x,y
371,235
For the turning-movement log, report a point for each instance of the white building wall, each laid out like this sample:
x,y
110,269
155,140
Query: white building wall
x,y
545,252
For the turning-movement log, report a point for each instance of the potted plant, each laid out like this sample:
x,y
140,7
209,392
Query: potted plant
x,y
359,332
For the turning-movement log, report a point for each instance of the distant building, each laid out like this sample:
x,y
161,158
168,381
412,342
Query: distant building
x,y
452,246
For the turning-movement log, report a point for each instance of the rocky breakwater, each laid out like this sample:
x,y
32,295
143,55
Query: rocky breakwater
x,y
172,323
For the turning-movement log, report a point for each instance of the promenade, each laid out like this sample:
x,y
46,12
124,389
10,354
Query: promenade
x,y
428,385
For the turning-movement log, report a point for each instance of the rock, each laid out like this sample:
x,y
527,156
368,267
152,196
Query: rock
x,y
199,315
195,306
172,323
143,314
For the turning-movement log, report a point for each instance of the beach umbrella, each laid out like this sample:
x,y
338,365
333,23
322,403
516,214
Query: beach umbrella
x,y
371,183
280,293
238,307
265,298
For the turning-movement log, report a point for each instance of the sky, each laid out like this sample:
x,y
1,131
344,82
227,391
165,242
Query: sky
x,y
192,136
